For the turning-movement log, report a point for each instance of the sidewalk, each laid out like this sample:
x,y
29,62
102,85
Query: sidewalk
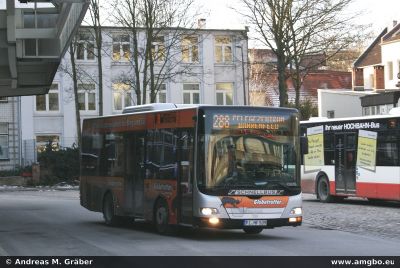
x,y
6,188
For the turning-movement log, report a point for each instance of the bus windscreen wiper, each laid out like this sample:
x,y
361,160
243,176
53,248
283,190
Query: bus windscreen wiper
x,y
280,184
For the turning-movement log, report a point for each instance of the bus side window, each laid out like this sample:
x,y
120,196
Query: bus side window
x,y
387,148
152,157
89,157
329,154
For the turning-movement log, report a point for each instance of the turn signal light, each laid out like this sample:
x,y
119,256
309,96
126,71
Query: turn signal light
x,y
297,219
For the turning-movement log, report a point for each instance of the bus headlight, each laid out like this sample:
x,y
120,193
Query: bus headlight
x,y
296,211
208,211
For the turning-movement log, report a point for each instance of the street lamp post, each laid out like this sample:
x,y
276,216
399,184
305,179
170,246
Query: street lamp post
x,y
243,79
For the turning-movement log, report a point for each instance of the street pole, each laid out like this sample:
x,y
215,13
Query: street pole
x,y
243,79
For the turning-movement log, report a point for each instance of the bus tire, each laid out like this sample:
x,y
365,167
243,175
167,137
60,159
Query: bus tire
x,y
323,190
108,211
161,216
252,230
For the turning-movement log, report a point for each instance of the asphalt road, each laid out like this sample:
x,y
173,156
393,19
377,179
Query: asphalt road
x,y
53,223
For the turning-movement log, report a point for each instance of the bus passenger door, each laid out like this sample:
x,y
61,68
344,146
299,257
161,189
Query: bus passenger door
x,y
134,177
345,163
185,178
139,171
129,174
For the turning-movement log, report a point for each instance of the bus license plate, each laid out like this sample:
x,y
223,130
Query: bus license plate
x,y
255,222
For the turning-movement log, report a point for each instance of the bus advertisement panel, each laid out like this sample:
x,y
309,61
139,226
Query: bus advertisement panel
x,y
205,166
360,158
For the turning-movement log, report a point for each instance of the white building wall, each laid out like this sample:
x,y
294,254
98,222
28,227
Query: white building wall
x,y
349,103
391,53
208,52
206,73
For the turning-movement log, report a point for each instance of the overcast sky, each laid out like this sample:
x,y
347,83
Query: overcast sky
x,y
219,14
378,13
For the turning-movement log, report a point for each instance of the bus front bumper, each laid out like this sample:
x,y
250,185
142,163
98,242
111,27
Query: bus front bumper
x,y
224,223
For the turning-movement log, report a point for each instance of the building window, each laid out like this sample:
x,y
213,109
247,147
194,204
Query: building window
x,y
390,70
122,96
191,94
373,110
223,49
85,47
87,97
330,114
366,111
3,140
190,49
158,49
3,99
224,93
121,47
47,142
48,102
161,94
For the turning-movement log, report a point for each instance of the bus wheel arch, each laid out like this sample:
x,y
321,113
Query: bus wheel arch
x,y
322,188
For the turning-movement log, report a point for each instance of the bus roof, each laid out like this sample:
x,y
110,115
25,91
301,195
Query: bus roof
x,y
327,120
160,107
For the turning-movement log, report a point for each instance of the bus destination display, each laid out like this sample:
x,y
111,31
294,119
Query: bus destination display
x,y
236,121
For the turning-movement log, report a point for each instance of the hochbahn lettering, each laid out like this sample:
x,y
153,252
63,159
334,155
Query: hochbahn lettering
x,y
350,126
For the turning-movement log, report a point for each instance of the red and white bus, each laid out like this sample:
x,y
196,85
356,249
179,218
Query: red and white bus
x,y
352,157
199,166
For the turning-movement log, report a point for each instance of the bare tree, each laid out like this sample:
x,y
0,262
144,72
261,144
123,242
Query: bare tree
x,y
157,29
318,28
95,21
79,76
294,29
74,77
269,21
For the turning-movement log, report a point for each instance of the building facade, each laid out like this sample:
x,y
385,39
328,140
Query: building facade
x,y
375,81
377,70
214,74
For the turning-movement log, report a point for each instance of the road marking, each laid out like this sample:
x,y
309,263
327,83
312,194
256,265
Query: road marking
x,y
3,252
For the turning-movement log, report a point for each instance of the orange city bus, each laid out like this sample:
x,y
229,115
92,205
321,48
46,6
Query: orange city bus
x,y
198,166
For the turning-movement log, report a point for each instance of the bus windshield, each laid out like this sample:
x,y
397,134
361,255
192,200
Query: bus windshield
x,y
249,156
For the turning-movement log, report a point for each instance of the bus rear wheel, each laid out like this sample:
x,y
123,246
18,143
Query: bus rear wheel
x,y
323,191
252,230
161,216
108,211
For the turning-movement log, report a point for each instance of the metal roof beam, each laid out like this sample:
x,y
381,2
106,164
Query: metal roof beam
x,y
42,33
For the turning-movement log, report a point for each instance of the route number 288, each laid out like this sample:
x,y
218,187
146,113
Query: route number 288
x,y
221,121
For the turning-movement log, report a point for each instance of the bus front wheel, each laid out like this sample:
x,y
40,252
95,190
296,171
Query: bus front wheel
x,y
161,216
323,191
252,230
108,211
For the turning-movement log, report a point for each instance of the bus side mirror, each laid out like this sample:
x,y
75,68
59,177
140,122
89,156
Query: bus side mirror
x,y
303,145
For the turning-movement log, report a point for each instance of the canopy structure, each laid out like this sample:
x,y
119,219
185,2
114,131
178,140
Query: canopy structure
x,y
33,39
